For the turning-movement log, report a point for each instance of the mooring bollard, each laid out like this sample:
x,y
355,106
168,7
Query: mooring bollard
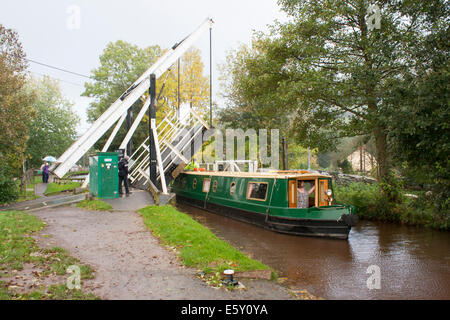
x,y
229,281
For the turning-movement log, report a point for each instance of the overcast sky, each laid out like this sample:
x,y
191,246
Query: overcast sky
x,y
50,35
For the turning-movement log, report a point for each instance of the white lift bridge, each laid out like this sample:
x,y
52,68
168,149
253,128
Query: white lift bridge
x,y
170,145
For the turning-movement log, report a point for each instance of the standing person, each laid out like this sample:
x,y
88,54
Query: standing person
x,y
123,175
45,172
303,195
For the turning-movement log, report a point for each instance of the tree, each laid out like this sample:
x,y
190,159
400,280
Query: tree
x,y
331,73
194,88
420,125
16,111
244,109
121,64
54,128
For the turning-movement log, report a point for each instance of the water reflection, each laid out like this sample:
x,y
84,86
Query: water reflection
x,y
414,262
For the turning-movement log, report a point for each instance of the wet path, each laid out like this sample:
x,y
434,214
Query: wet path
x,y
129,262
44,201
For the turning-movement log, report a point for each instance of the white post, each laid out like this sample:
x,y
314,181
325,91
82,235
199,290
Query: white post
x,y
160,164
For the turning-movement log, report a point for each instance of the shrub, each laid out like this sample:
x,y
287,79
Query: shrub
x,y
430,210
363,197
368,202
345,166
427,210
8,188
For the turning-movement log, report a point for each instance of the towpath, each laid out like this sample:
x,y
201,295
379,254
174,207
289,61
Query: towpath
x,y
129,262
44,201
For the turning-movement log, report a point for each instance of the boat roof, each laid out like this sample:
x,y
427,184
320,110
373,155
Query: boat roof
x,y
300,174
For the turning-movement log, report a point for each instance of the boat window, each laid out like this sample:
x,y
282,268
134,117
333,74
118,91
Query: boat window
x,y
214,186
233,188
194,184
206,184
257,191
183,183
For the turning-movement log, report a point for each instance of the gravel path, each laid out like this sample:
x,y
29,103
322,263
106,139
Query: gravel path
x,y
129,262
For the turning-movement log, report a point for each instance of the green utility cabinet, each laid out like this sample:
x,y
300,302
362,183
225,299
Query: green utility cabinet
x,y
104,175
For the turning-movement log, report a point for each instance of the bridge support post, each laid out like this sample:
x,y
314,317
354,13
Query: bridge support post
x,y
152,125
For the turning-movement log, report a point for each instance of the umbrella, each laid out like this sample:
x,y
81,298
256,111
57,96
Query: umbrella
x,y
50,159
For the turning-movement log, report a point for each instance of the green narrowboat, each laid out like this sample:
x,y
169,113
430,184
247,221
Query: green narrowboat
x,y
292,202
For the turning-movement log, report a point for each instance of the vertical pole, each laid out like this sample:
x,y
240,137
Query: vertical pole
x,y
152,118
283,153
286,154
210,77
309,150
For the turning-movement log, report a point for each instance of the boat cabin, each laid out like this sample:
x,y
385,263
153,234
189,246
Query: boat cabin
x,y
289,189
316,188
294,202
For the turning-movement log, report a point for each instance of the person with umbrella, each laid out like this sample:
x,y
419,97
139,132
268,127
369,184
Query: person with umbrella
x,y
50,159
45,172
45,168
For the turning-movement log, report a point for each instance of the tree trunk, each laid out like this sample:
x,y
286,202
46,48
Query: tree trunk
x,y
383,165
388,189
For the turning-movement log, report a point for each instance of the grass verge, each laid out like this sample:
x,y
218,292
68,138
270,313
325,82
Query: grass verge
x,y
18,248
196,245
55,188
54,292
94,205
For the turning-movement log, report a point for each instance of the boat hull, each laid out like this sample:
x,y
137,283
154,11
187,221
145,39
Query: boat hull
x,y
336,229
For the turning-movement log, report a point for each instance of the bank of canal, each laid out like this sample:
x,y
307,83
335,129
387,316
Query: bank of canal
x,y
414,263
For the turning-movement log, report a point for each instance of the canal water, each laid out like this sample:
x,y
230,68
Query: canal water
x,y
379,261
